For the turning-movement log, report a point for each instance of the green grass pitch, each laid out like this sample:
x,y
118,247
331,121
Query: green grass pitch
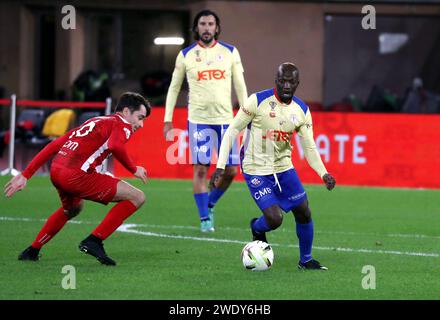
x,y
162,255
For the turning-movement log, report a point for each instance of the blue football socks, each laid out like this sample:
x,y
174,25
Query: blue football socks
x,y
214,195
304,231
260,225
202,204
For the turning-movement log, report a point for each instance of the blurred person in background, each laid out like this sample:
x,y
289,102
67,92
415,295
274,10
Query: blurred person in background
x,y
420,100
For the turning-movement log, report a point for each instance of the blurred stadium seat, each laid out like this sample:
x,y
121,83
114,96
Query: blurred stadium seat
x,y
29,132
86,116
58,123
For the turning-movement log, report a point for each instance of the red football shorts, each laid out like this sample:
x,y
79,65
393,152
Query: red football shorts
x,y
74,184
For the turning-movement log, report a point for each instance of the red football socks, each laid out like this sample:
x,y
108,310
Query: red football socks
x,y
54,224
114,218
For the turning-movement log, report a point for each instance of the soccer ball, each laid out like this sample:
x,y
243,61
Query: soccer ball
x,y
257,256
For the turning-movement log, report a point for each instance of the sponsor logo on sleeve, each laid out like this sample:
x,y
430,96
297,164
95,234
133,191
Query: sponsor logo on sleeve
x,y
246,111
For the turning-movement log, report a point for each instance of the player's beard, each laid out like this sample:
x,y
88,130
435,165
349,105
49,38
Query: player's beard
x,y
206,40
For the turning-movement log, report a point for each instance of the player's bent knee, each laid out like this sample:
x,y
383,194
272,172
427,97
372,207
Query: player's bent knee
x,y
274,220
138,198
71,213
201,171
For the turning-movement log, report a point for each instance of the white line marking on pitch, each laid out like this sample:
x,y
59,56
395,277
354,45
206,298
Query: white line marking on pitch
x,y
128,228
394,235
350,233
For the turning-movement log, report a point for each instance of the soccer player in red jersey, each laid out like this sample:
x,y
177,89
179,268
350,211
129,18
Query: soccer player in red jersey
x,y
75,174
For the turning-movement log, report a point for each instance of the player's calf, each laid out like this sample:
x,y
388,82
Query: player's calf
x,y
302,213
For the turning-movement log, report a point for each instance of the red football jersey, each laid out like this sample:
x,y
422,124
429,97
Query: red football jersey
x,y
88,145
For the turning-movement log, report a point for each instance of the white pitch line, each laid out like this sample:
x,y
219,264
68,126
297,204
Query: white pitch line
x,y
393,235
128,228
349,233
43,220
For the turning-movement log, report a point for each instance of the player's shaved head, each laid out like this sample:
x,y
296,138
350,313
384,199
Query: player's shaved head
x,y
286,81
287,67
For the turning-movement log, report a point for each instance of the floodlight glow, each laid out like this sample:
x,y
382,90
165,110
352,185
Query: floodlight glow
x,y
168,41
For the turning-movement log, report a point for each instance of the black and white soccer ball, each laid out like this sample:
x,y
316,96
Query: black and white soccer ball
x,y
257,256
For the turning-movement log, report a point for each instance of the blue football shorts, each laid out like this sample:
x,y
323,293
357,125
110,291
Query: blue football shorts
x,y
283,189
204,139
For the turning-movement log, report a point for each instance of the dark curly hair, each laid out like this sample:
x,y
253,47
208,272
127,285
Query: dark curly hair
x,y
205,13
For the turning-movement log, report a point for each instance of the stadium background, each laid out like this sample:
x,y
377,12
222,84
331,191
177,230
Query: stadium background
x,y
363,143
340,64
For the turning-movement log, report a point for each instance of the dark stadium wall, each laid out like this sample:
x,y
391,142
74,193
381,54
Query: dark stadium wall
x,y
9,47
356,66
269,33
266,33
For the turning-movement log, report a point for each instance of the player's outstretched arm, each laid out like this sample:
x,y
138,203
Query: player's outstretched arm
x,y
141,173
17,183
44,155
329,181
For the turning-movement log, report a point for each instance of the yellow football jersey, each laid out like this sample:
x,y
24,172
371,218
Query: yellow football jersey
x,y
209,72
266,147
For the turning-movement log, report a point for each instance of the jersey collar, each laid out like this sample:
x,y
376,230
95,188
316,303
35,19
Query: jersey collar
x,y
122,118
200,43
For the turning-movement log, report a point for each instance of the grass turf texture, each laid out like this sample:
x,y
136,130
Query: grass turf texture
x,y
166,256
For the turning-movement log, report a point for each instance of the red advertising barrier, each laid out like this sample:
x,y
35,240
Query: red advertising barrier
x,y
365,149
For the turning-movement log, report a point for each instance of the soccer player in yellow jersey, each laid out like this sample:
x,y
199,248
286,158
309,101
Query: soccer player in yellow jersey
x,y
210,66
271,117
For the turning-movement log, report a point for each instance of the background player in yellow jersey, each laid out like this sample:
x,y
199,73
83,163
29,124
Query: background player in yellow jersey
x,y
210,67
271,117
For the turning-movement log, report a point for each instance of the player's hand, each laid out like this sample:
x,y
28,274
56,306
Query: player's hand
x,y
141,173
168,131
329,181
213,182
17,183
